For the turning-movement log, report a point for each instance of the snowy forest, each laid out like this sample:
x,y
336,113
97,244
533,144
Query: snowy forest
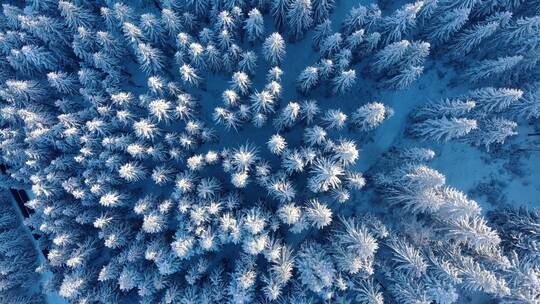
x,y
270,151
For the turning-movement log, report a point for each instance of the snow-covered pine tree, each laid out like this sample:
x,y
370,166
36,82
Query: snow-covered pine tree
x,y
171,21
326,175
240,83
355,247
322,31
308,79
473,231
402,21
448,24
472,37
32,60
274,48
495,100
321,10
405,77
62,82
299,17
152,28
476,278
189,75
343,82
368,292
493,68
279,9
530,106
331,45
316,269
444,129
254,25
446,107
370,116
149,58
493,131
407,258
247,62
74,15
390,55
427,10
521,33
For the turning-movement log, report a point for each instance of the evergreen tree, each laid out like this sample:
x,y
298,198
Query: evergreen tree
x,y
521,33
405,77
322,31
326,175
494,131
530,106
75,16
316,269
19,259
299,17
495,100
254,25
31,60
171,21
308,79
448,24
279,9
62,82
446,107
189,75
152,28
370,116
248,62
274,48
331,45
497,68
343,82
150,59
444,129
394,27
355,19
321,10
390,55
471,38
368,292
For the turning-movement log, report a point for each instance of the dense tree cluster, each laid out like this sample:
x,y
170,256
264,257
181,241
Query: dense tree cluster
x,y
105,120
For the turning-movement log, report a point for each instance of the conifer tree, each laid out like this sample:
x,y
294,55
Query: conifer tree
x,y
321,10
369,116
150,59
444,129
343,82
394,27
75,16
254,25
279,9
494,131
274,48
152,28
299,17
472,37
496,68
448,24
405,77
322,30
494,100
308,79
